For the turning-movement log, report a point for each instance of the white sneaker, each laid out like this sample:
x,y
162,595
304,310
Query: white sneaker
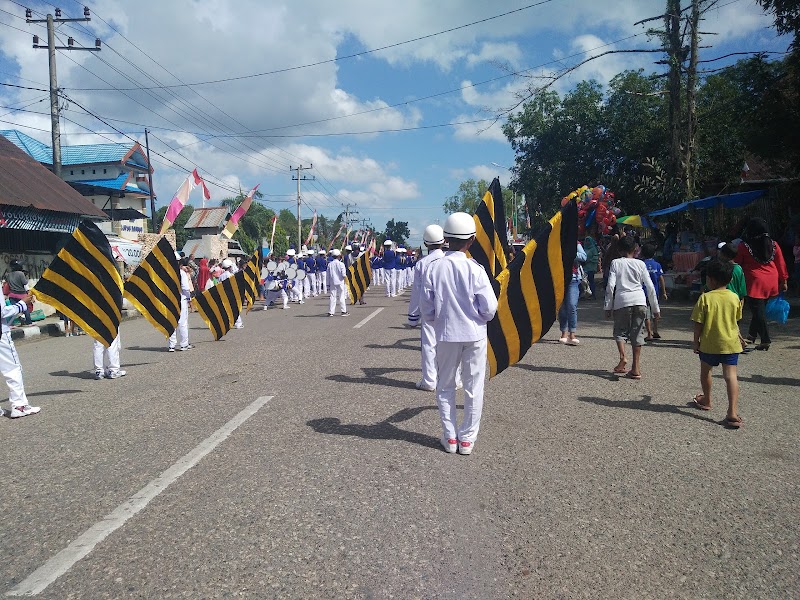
x,y
238,326
302,302
465,447
563,340
187,347
23,411
266,307
449,444
573,342
426,388
460,385
99,375
345,314
285,307
170,349
116,374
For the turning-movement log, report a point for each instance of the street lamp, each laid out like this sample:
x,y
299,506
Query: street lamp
x,y
514,212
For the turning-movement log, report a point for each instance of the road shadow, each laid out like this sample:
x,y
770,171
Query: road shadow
x,y
383,430
593,372
646,403
54,392
376,376
147,348
89,374
755,378
398,345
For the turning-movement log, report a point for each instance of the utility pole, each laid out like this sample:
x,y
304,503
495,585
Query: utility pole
x,y
51,50
150,183
297,178
347,213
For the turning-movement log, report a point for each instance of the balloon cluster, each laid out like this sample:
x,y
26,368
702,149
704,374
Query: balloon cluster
x,y
595,205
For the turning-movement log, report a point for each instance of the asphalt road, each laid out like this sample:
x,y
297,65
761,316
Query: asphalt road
x,y
332,484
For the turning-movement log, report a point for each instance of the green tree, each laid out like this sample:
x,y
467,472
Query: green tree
x,y
398,232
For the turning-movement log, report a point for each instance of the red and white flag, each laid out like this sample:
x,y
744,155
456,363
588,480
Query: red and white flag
x,y
181,197
233,223
313,226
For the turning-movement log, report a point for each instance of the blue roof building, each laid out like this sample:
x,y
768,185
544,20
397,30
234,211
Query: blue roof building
x,y
112,176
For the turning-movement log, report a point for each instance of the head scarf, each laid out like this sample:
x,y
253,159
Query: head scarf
x,y
760,244
203,274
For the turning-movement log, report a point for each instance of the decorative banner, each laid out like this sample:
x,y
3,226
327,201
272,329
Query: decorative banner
x,y
531,290
272,237
233,223
330,245
359,274
154,288
83,283
252,277
220,305
313,225
181,197
491,241
346,237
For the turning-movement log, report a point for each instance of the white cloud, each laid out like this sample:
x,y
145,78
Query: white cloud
x,y
496,52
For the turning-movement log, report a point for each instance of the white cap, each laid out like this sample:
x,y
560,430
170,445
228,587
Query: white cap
x,y
433,234
459,225
336,252
401,249
227,263
290,252
323,251
311,252
387,243
348,247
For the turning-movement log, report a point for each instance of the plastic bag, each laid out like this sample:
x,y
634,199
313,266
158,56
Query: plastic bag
x,y
778,309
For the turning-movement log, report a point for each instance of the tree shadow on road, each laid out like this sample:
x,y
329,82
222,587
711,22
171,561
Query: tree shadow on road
x,y
593,372
383,430
376,376
646,403
398,345
755,378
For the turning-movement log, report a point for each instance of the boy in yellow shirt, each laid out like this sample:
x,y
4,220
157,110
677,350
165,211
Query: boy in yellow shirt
x,y
716,337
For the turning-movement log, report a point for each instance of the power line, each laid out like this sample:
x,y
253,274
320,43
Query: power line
x,y
341,58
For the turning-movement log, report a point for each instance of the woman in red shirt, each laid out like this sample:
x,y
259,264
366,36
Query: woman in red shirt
x,y
765,275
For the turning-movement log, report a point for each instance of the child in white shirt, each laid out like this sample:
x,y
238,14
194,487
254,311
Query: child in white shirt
x,y
458,299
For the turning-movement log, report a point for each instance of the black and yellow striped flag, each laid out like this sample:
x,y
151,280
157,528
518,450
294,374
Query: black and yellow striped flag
x,y
154,288
491,241
531,289
252,277
83,283
359,274
220,305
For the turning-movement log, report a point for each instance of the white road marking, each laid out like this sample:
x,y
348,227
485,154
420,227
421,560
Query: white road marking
x,y
62,562
364,322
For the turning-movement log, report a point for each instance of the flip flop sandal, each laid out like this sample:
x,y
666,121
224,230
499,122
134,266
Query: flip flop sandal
x,y
733,422
697,404
628,375
619,371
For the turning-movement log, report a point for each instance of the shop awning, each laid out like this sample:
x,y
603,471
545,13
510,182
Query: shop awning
x,y
727,200
124,214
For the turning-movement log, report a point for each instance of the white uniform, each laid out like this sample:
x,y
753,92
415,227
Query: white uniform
x,y
226,274
427,334
182,331
458,298
106,360
9,360
336,277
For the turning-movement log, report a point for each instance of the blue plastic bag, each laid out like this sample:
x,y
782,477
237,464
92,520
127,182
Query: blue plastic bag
x,y
778,309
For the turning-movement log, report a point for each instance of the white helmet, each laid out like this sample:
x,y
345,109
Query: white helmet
x,y
387,243
312,252
348,247
459,225
336,252
227,263
401,250
290,252
362,248
433,235
322,251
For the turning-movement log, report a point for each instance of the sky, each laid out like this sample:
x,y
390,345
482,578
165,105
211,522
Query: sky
x,y
394,104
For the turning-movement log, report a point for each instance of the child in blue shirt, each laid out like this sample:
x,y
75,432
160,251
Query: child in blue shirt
x,y
657,277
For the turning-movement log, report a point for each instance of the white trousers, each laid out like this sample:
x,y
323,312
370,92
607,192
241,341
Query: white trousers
x,y
106,359
12,371
338,293
322,282
182,331
312,279
285,298
377,276
391,282
471,356
427,342
297,290
307,286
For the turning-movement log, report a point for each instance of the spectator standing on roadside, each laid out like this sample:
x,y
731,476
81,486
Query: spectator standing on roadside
x,y
592,260
657,277
568,313
765,274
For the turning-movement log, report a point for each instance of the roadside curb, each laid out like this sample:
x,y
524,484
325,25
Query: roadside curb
x,y
56,329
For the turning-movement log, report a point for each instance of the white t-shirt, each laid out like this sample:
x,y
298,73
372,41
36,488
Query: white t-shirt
x,y
336,273
627,280
416,289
